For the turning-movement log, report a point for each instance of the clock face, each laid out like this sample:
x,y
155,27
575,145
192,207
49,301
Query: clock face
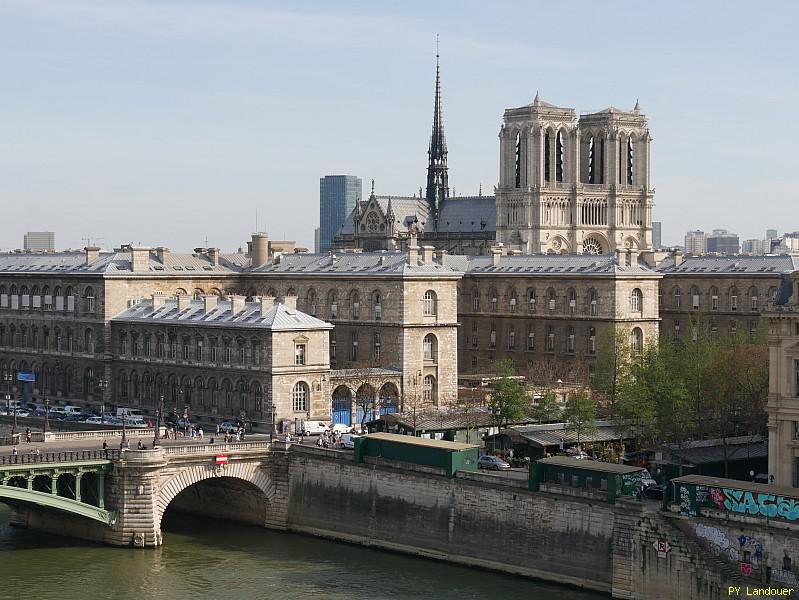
x,y
372,223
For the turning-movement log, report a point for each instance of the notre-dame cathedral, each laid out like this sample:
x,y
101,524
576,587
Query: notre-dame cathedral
x,y
567,185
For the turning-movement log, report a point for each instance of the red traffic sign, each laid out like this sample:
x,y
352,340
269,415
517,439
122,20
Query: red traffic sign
x,y
220,459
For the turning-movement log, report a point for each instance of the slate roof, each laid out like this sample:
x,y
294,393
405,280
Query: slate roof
x,y
439,421
118,263
278,317
590,465
360,263
702,452
730,265
468,213
405,209
547,264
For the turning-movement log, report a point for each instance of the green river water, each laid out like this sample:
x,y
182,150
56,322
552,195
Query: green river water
x,y
205,559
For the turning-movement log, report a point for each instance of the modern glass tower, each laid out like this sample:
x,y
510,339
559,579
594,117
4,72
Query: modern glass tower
x,y
337,195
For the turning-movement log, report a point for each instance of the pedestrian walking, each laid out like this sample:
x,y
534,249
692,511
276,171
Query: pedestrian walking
x,y
14,451
105,448
200,432
211,441
140,446
218,430
28,435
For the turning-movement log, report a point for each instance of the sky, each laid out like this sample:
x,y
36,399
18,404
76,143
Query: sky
x,y
174,122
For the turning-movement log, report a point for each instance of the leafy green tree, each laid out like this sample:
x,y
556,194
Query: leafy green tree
x,y
580,414
509,400
547,408
612,366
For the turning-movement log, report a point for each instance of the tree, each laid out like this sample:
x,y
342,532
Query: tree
x,y
580,414
509,401
612,366
547,408
468,404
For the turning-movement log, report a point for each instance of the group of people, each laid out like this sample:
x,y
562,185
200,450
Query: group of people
x,y
329,440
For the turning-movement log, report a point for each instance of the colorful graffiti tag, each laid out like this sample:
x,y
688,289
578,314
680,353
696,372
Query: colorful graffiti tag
x,y
755,503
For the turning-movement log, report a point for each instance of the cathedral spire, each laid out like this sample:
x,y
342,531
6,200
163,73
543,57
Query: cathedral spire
x,y
437,180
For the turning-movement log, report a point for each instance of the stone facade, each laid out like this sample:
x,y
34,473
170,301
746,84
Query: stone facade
x,y
783,398
570,185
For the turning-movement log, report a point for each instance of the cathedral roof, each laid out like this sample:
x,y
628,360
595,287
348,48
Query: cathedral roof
x,y
468,213
405,210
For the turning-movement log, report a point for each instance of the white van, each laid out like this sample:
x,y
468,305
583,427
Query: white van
x,y
72,411
129,412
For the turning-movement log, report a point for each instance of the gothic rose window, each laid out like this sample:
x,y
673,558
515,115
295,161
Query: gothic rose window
x,y
591,246
372,223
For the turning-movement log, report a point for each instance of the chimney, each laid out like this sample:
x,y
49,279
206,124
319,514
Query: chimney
x,y
213,256
209,303
184,301
440,256
413,254
259,250
159,299
679,258
427,255
267,302
237,303
634,257
496,254
92,254
621,256
290,302
161,252
140,259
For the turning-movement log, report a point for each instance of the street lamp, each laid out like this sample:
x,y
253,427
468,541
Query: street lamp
x,y
124,441
158,414
8,377
46,425
272,423
102,383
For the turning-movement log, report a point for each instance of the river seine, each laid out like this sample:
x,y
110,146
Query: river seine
x,y
208,560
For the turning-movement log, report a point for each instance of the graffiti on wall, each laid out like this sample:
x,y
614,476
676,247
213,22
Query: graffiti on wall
x,y
755,503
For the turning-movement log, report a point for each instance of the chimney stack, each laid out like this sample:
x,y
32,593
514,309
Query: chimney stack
x,y
213,256
209,303
496,254
427,255
679,258
413,254
140,259
92,254
161,252
633,257
621,256
290,302
237,304
184,301
267,302
259,250
159,299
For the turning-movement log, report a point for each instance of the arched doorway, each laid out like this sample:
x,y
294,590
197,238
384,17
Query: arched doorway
x,y
342,406
365,404
389,399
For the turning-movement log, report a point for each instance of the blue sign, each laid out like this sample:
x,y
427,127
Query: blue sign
x,y
26,376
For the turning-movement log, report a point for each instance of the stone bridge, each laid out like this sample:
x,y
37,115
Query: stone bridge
x,y
132,489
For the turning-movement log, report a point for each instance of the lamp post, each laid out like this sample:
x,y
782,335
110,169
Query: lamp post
x,y
272,423
46,425
8,377
103,385
158,414
124,442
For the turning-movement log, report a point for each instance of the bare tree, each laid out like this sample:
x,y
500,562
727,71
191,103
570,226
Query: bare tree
x,y
468,404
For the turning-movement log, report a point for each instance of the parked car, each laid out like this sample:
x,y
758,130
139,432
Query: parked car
x,y
228,427
341,428
94,420
21,412
315,427
348,440
492,463
654,492
647,479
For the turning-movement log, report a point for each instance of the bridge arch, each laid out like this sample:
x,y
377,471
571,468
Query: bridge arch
x,y
249,473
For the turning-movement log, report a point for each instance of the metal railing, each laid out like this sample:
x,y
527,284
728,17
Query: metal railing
x,y
216,448
67,456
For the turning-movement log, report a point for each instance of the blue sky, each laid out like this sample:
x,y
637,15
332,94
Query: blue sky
x,y
166,122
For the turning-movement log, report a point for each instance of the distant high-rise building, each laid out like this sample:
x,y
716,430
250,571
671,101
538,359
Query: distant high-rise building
x,y
337,196
722,241
695,242
39,241
771,234
752,247
656,233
